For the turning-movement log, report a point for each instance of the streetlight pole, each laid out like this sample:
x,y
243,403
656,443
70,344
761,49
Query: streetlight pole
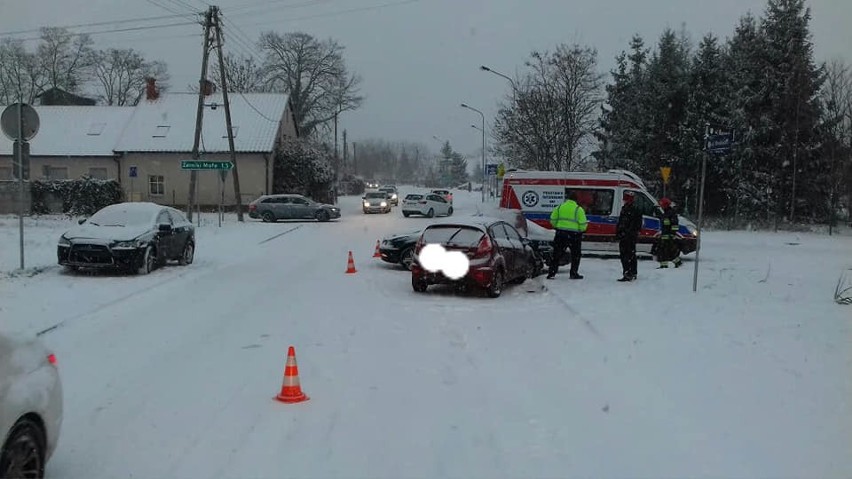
x,y
464,105
512,82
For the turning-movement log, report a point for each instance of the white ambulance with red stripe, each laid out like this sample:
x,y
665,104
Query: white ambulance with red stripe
x,y
537,193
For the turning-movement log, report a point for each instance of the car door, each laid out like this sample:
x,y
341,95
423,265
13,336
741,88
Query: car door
x,y
504,243
441,206
165,239
434,202
180,228
522,252
301,208
283,208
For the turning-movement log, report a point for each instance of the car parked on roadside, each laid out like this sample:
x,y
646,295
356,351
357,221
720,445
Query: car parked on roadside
x,y
376,202
428,205
30,407
271,208
393,194
135,237
498,255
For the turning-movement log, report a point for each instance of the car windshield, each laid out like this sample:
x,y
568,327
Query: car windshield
x,y
117,216
461,236
414,197
376,195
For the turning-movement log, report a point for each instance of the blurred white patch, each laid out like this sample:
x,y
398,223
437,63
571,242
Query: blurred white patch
x,y
434,258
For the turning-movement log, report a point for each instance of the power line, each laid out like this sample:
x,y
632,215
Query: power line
x,y
120,30
157,4
95,24
287,4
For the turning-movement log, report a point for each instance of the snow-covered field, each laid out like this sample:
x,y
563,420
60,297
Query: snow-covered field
x,y
173,374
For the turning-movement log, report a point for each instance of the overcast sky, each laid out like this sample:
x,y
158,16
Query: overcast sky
x,y
420,59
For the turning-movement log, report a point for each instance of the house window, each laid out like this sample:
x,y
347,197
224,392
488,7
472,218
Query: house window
x,y
98,173
5,173
95,129
162,131
234,131
156,185
55,172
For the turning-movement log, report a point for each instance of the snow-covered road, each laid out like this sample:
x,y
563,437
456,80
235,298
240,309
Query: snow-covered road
x,y
173,374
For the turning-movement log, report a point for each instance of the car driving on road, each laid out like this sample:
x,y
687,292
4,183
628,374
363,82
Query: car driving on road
x,y
428,205
136,237
271,208
30,407
393,194
376,202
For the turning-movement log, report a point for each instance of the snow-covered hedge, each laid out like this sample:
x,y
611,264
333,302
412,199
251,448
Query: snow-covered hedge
x,y
81,197
303,169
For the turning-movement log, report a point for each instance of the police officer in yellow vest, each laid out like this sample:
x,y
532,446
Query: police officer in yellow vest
x,y
569,221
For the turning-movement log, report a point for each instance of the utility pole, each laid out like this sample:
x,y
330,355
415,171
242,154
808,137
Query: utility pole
x,y
224,81
354,158
199,115
345,151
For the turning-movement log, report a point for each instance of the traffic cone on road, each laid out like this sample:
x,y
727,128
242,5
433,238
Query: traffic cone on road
x,y
291,390
350,266
377,254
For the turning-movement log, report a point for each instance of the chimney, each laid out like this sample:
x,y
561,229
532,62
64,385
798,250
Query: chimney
x,y
209,88
151,92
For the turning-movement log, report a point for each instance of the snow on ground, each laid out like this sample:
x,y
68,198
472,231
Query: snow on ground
x,y
173,374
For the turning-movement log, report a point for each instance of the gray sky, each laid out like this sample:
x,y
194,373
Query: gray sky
x,y
420,60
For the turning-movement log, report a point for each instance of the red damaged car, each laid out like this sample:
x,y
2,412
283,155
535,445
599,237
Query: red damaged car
x,y
496,252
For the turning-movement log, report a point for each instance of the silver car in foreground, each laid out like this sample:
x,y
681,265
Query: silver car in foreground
x,y
30,407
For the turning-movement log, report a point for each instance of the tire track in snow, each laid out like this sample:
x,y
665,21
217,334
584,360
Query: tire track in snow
x,y
559,299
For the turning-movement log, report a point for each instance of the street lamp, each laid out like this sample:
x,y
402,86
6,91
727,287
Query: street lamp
x,y
463,105
489,70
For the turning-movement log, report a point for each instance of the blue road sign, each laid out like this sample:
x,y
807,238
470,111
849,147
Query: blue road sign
x,y
491,169
720,143
133,172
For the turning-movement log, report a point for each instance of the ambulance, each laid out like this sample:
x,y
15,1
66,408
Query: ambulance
x,y
537,193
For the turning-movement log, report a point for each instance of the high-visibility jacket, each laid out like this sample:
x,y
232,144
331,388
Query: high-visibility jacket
x,y
569,216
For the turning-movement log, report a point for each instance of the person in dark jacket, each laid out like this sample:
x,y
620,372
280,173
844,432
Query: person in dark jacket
x,y
627,233
667,248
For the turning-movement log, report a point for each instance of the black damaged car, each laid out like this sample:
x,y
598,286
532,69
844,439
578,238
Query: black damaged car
x,y
135,237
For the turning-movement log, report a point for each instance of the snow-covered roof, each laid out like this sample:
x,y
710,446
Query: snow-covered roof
x,y
75,130
168,123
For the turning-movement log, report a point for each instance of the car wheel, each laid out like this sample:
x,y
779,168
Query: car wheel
x,y
268,217
322,215
450,211
430,213
149,261
23,455
406,258
496,287
188,254
418,285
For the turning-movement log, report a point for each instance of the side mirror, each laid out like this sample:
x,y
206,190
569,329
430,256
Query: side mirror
x,y
165,228
526,241
81,221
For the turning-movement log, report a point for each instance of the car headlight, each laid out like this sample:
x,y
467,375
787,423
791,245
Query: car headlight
x,y
384,203
366,204
393,197
692,230
128,244
63,241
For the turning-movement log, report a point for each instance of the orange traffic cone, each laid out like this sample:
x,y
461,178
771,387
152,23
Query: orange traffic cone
x,y
377,254
350,266
291,390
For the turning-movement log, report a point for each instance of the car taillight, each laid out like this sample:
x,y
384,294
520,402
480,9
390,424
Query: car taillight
x,y
252,207
52,359
418,246
484,248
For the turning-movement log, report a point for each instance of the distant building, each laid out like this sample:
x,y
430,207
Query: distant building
x,y
151,138
60,97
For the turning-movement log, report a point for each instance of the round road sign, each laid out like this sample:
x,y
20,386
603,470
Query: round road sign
x,y
9,121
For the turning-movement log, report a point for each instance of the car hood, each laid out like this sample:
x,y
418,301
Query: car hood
x,y
404,235
105,234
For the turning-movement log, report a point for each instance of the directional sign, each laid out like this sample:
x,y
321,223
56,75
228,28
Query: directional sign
x,y
206,165
666,172
720,143
491,169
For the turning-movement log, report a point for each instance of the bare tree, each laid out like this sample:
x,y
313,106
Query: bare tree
x,y
120,75
21,77
550,120
64,58
313,72
837,98
245,75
